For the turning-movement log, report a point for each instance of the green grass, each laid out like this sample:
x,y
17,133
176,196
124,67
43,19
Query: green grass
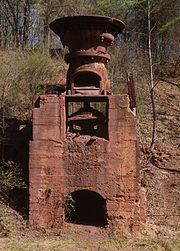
x,y
45,244
144,244
68,244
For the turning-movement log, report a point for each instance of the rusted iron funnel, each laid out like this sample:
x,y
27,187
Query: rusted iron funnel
x,y
87,38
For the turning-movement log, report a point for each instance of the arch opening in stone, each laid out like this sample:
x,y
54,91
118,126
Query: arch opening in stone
x,y
86,208
85,79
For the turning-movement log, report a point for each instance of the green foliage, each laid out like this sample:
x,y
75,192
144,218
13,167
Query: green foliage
x,y
141,108
21,76
65,243
37,70
140,5
10,177
172,22
134,4
142,244
106,7
9,79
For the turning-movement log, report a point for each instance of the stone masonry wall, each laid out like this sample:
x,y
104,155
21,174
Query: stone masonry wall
x,y
46,173
61,163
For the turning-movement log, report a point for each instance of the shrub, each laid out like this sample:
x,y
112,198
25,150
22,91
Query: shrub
x,y
10,177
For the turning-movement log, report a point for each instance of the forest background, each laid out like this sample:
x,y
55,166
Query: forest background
x,y
26,43
31,56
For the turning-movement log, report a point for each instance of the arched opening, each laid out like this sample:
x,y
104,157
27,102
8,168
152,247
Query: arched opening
x,y
87,79
87,208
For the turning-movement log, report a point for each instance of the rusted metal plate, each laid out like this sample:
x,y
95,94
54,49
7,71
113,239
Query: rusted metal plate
x,y
103,23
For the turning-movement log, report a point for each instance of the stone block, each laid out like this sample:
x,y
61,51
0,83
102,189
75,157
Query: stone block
x,y
63,164
46,132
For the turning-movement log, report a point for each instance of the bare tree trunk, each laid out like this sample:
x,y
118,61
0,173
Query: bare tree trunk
x,y
3,123
47,14
14,10
151,79
25,24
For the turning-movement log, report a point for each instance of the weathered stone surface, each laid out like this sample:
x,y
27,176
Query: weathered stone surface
x,y
61,163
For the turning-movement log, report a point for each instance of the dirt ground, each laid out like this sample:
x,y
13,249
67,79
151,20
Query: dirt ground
x,y
17,236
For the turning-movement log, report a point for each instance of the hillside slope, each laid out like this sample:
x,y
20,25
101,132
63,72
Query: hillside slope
x,y
161,168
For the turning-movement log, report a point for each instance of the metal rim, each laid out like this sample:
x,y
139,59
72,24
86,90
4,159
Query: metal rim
x,y
63,24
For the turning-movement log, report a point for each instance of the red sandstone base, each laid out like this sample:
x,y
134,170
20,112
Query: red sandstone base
x,y
85,179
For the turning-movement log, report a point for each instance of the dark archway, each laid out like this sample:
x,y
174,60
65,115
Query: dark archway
x,y
90,79
87,208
